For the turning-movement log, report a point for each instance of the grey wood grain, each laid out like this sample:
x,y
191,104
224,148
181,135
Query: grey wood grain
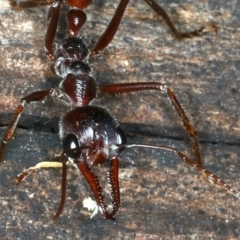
x,y
161,197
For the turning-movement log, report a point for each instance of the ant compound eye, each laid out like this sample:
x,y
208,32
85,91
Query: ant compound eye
x,y
71,142
122,139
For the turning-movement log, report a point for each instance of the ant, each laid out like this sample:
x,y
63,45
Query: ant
x,y
90,135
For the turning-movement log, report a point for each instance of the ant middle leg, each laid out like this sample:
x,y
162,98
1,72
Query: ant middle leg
x,y
33,97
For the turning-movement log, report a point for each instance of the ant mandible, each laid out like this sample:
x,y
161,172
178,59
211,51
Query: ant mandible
x,y
90,134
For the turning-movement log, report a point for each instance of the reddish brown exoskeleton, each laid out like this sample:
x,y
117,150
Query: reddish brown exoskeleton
x,y
90,135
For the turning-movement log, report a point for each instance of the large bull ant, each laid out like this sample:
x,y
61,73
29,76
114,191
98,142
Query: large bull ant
x,y
90,135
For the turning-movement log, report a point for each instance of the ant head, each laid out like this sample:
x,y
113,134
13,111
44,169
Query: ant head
x,y
92,130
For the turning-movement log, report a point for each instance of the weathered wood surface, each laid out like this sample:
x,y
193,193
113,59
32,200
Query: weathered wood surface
x,y
161,197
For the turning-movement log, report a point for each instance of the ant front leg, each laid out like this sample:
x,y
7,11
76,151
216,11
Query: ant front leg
x,y
137,87
33,97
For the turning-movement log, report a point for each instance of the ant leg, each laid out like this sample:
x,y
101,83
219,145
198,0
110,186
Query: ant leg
x,y
29,4
136,87
35,96
132,87
206,173
95,186
52,19
187,124
109,33
161,12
